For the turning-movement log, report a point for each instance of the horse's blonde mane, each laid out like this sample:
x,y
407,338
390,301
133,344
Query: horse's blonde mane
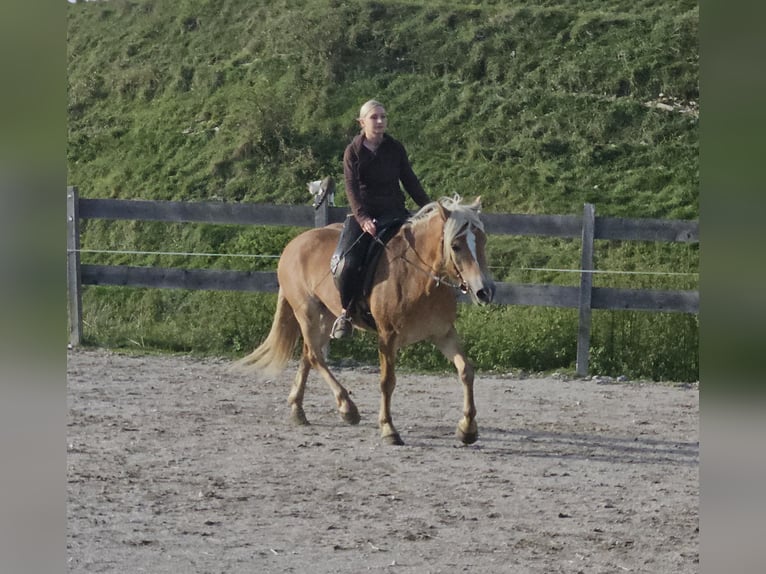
x,y
460,214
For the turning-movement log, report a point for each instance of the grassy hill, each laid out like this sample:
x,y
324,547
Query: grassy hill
x,y
538,107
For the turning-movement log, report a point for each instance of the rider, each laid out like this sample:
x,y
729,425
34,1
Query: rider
x,y
373,165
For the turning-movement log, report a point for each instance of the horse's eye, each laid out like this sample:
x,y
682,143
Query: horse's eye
x,y
456,247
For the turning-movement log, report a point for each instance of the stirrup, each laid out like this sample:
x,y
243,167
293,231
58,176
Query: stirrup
x,y
342,327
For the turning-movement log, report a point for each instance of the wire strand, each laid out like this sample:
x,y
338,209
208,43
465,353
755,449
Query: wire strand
x,y
603,271
183,253
255,256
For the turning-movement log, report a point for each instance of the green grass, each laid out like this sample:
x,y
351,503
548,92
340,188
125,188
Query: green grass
x,y
538,107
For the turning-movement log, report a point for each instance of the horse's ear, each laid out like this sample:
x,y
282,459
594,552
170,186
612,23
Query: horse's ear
x,y
443,211
476,205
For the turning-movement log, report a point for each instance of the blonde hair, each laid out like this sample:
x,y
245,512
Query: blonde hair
x,y
368,106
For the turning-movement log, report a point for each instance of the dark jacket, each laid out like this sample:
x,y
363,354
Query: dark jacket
x,y
372,180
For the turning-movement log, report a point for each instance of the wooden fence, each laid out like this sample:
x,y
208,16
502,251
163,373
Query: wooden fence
x,y
587,227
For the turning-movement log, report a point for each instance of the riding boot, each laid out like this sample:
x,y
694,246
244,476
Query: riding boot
x,y
342,327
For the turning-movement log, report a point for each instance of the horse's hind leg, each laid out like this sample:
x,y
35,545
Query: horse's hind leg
x,y
467,430
346,407
295,400
316,331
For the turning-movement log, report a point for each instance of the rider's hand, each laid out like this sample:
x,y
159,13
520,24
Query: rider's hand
x,y
369,227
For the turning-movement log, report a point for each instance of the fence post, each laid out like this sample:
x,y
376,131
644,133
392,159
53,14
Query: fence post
x,y
74,281
321,214
586,287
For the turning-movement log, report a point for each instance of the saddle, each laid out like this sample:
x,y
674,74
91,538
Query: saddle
x,y
361,312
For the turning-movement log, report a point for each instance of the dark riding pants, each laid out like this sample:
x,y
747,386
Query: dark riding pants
x,y
352,250
352,254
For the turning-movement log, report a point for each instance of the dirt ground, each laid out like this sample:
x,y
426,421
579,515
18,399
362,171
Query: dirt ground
x,y
177,465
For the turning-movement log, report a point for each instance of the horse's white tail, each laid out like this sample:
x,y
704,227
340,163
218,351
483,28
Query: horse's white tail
x,y
277,349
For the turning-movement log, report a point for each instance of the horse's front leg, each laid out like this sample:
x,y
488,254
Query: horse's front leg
x,y
387,354
467,430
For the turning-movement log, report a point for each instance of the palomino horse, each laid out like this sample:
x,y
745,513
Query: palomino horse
x,y
413,298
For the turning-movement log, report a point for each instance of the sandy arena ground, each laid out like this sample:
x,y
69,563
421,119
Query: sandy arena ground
x,y
176,465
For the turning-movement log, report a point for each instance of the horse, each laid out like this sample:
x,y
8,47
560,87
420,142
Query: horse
x,y
437,252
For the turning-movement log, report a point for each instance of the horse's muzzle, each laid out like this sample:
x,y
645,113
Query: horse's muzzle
x,y
485,295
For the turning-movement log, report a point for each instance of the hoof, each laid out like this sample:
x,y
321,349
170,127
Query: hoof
x,y
467,437
351,416
392,439
298,417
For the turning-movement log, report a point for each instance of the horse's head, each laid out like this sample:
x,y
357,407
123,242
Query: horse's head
x,y
464,248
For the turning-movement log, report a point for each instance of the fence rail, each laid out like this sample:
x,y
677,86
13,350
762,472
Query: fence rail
x,y
587,227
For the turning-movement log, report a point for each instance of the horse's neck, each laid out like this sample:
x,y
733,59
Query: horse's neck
x,y
424,243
